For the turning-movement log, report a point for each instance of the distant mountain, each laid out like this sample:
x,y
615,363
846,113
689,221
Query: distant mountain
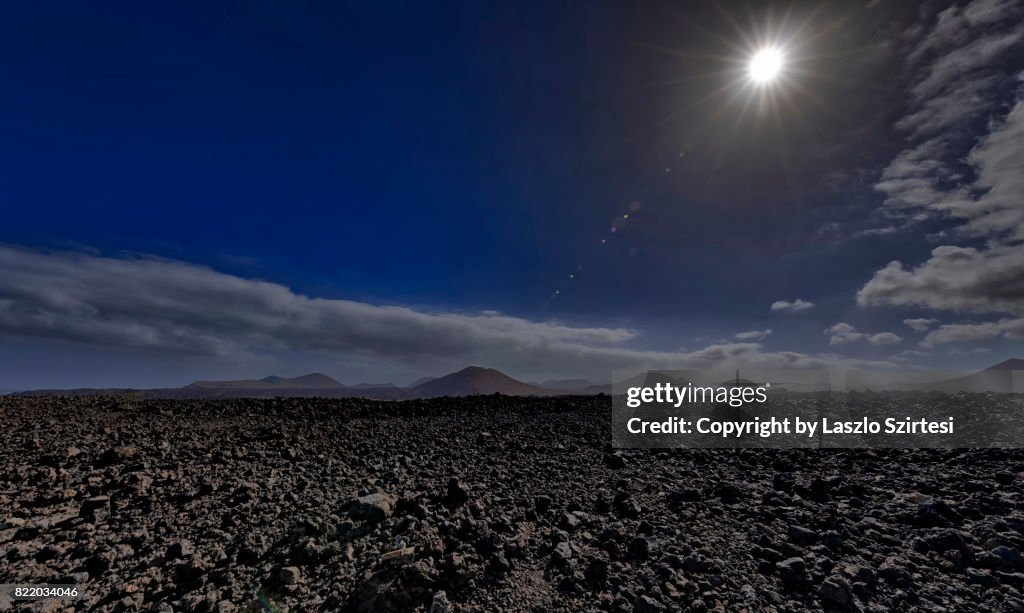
x,y
1006,376
476,380
421,381
466,382
1011,364
311,381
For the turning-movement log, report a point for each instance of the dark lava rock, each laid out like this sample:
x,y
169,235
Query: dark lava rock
x,y
836,591
289,575
95,509
894,572
440,603
646,604
562,552
457,493
937,513
729,493
639,548
213,500
981,577
179,549
628,507
614,461
372,508
118,455
542,503
793,572
597,572
802,536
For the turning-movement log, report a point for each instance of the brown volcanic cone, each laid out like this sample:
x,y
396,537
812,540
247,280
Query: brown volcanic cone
x,y
477,380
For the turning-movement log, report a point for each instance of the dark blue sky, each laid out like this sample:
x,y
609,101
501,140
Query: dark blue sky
x,y
463,158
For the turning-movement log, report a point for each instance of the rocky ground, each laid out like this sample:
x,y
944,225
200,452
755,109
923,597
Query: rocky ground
x,y
490,503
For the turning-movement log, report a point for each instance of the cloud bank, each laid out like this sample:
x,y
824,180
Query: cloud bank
x,y
151,304
973,332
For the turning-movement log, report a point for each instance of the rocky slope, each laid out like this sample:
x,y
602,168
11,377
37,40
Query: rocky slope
x,y
483,504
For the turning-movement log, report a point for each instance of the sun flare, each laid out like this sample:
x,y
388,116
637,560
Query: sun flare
x,y
766,65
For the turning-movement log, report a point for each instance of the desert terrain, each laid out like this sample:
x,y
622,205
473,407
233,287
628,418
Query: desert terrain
x,y
484,503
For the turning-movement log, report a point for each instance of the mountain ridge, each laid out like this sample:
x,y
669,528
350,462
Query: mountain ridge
x,y
470,381
313,380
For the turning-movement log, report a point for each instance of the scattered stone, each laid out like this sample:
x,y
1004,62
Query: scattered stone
x,y
542,503
439,603
562,552
372,508
95,509
289,575
213,499
628,507
614,461
802,536
793,572
646,604
179,549
837,592
457,494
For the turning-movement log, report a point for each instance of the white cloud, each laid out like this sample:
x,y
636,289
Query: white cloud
x,y
974,332
883,231
843,333
154,305
792,306
754,335
954,279
920,324
951,170
884,338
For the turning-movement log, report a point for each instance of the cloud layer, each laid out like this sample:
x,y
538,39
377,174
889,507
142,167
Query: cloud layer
x,y
965,163
973,332
159,305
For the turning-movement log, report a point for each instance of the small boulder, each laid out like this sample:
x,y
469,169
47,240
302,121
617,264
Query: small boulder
x,y
802,536
372,508
179,549
793,572
836,591
457,494
289,575
95,509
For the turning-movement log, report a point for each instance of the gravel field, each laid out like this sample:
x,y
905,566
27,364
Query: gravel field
x,y
482,503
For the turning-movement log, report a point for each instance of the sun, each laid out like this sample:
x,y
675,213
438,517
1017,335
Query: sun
x,y
766,65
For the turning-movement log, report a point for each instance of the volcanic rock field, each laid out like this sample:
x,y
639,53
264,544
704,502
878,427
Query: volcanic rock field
x,y
482,503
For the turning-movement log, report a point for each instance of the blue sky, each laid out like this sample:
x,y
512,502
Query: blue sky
x,y
202,190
